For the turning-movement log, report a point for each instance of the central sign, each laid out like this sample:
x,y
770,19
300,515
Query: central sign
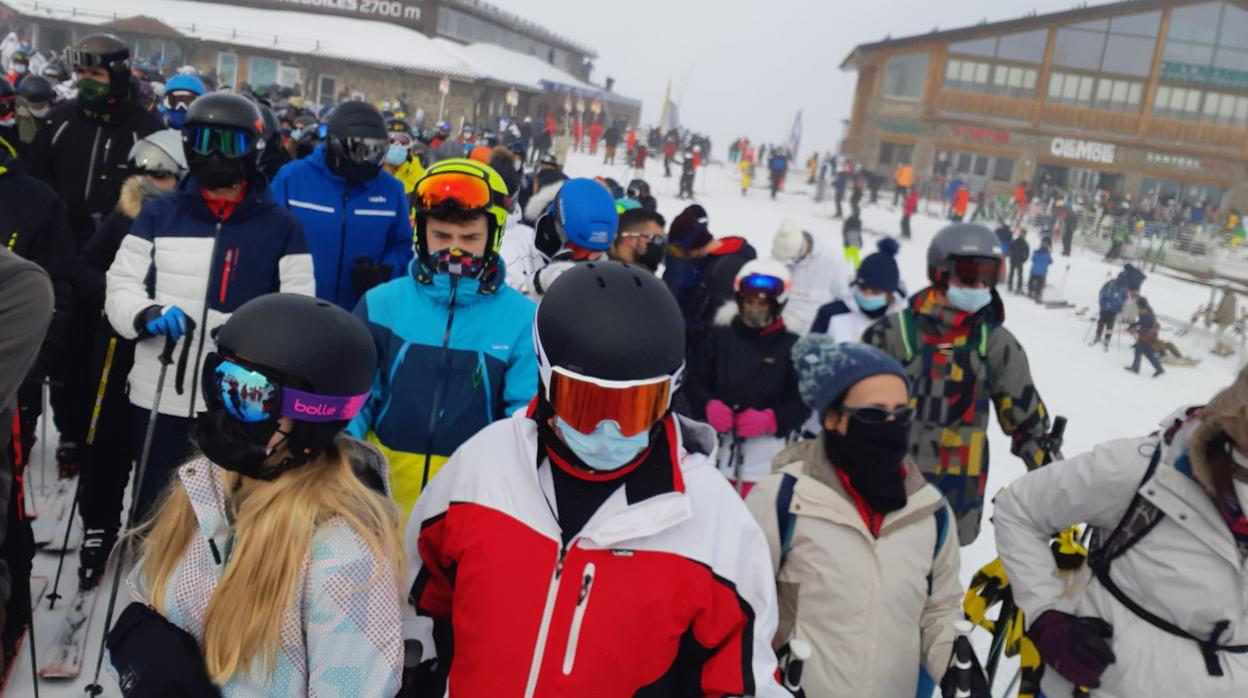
x,y
405,13
1089,151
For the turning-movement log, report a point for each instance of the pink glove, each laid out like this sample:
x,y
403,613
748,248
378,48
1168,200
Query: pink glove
x,y
719,416
751,423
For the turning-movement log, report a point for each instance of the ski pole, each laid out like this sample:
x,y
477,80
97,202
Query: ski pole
x,y
73,507
738,454
166,358
34,661
43,435
791,668
996,649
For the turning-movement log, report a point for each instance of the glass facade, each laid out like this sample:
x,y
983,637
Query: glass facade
x,y
1107,54
892,154
1005,68
904,76
470,29
1204,69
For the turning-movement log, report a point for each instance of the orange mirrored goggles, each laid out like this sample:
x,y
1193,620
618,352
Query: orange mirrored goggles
x,y
467,190
584,402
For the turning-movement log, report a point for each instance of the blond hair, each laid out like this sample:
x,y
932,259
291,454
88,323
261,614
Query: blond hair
x,y
274,523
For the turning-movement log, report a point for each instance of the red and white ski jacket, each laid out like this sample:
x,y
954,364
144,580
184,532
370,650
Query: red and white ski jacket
x,y
669,595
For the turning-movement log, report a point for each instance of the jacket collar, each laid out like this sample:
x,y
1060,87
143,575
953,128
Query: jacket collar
x,y
201,478
256,200
944,319
437,286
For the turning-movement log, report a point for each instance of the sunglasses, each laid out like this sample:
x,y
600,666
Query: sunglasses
x,y
584,402
972,271
879,415
251,396
469,191
229,142
650,239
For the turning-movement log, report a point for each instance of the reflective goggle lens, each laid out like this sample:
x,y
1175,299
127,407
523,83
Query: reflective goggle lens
x,y
401,139
247,395
468,191
365,151
879,415
977,270
179,100
232,143
761,285
584,403
82,59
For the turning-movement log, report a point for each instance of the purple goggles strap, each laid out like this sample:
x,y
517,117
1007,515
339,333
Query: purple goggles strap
x,y
310,407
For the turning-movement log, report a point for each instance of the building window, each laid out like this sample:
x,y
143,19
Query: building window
x,y
977,76
975,169
1207,45
261,71
1210,107
227,69
1095,92
1122,46
1003,170
894,153
904,76
327,90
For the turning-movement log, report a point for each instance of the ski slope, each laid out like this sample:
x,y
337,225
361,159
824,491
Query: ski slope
x,y
1085,384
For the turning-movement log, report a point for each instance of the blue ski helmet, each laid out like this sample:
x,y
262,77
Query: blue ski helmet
x,y
585,214
174,109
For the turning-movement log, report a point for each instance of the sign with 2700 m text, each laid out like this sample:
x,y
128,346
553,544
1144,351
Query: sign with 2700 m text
x,y
394,11
1088,151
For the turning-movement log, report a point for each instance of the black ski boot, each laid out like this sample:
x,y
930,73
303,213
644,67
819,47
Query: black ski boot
x,y
97,543
1158,372
1132,369
68,456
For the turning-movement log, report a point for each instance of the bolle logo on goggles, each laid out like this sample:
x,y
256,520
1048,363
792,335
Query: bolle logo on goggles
x,y
313,410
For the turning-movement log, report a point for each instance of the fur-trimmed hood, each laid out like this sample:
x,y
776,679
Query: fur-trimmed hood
x,y
726,313
131,198
541,199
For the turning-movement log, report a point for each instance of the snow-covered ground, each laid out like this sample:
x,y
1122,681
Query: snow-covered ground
x,y
1085,384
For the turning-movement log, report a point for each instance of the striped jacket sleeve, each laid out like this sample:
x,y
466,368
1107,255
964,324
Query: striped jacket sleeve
x,y
127,294
295,266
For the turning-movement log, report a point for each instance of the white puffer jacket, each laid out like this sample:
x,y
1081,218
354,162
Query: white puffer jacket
x,y
1187,570
817,278
874,609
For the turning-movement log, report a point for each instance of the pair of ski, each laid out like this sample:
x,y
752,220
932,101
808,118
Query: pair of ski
x,y
61,657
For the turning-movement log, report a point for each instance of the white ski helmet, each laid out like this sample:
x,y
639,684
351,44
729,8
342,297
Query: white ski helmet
x,y
159,152
789,242
766,278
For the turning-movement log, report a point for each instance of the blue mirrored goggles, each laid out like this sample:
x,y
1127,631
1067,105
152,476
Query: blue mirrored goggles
x,y
251,396
229,142
761,285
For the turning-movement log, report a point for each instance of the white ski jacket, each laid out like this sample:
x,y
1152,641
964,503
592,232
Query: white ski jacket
x,y
874,610
1187,570
817,279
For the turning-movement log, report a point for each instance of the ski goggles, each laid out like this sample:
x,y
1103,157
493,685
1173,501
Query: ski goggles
x,y
365,151
879,415
251,396
78,58
469,191
229,142
760,286
973,271
401,138
584,402
179,100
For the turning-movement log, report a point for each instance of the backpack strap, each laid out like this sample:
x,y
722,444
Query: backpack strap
x,y
1141,517
786,519
942,534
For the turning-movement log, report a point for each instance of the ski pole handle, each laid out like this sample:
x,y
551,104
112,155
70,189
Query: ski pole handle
x,y
795,659
166,355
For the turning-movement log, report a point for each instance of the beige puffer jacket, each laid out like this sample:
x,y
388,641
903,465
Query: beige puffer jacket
x,y
865,605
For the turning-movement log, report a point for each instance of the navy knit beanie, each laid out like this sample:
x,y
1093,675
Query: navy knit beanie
x,y
826,370
879,270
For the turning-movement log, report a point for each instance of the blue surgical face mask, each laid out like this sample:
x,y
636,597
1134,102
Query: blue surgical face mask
x,y
606,448
972,300
175,118
19,68
869,303
396,155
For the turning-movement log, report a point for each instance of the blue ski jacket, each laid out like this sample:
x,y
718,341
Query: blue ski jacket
x,y
451,360
1040,262
343,223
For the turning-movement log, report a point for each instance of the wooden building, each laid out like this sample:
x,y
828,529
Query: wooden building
x,y
1143,98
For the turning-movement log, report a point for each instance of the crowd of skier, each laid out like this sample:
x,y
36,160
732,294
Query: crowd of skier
x,y
410,413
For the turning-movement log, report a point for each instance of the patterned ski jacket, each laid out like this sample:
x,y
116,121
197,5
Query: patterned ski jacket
x,y
959,362
342,635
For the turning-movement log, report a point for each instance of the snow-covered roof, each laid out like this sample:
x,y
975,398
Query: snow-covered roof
x,y
513,67
345,38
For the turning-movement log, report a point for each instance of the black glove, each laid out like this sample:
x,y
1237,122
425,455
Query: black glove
x,y
367,273
1076,647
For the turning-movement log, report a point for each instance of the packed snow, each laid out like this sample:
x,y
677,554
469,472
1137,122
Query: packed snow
x,y
1085,384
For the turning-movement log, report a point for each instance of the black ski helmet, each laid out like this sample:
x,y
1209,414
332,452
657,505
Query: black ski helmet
x,y
223,110
103,51
402,126
354,121
310,345
959,240
35,89
611,321
638,188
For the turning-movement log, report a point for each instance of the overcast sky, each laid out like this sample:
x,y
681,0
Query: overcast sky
x,y
744,67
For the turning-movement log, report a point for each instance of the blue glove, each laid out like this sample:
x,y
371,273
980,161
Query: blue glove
x,y
170,322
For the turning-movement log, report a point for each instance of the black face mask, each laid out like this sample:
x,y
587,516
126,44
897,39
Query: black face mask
x,y
871,456
652,257
238,447
356,173
216,172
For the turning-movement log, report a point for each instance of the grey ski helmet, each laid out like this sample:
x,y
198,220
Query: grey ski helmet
x,y
159,152
959,240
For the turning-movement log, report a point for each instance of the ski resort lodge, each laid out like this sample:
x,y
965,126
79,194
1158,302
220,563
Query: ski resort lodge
x,y
1130,97
493,62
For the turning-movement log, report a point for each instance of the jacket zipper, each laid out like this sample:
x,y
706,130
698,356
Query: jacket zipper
x,y
225,274
203,322
578,617
543,631
95,145
438,390
342,247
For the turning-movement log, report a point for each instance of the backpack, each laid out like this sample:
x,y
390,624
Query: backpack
x,y
788,522
1141,517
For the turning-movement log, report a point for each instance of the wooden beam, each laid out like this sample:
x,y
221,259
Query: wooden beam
x,y
1042,81
1154,76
